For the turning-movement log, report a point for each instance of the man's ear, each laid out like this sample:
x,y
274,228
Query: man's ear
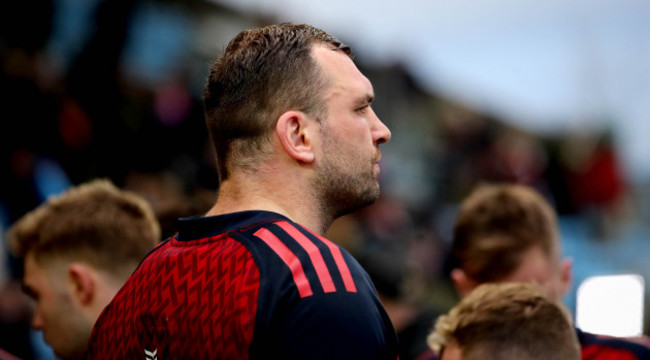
x,y
566,275
295,135
82,283
464,285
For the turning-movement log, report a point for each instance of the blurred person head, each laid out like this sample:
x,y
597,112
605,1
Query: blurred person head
x,y
286,106
78,250
506,321
508,232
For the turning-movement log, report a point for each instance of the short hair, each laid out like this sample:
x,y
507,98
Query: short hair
x,y
507,321
262,73
95,222
496,225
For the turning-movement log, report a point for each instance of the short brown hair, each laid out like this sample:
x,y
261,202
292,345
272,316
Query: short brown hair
x,y
262,73
507,321
496,225
95,222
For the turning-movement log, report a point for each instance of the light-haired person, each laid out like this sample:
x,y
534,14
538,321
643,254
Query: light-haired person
x,y
505,321
297,145
78,248
509,233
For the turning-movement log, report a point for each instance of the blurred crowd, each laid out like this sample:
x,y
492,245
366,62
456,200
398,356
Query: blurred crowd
x,y
103,102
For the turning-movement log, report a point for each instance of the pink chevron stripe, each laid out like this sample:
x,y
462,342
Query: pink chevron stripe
x,y
314,254
290,259
348,281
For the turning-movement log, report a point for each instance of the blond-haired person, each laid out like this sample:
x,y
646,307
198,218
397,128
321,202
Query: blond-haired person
x,y
506,321
509,233
78,249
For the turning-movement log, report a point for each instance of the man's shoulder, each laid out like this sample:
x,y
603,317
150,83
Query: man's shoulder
x,y
175,298
315,263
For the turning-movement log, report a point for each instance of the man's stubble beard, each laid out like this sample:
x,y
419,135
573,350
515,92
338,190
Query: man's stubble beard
x,y
344,188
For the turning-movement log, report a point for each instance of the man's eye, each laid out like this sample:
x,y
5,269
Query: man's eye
x,y
362,109
30,292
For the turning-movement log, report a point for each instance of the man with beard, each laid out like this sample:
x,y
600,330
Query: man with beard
x,y
296,143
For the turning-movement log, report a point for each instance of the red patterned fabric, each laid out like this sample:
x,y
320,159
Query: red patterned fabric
x,y
600,347
599,352
203,297
249,285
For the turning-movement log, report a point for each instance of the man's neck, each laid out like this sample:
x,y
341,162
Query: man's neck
x,y
289,199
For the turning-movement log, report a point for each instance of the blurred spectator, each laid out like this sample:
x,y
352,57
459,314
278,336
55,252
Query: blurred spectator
x,y
78,250
400,257
595,184
26,134
592,171
168,197
29,103
15,311
480,148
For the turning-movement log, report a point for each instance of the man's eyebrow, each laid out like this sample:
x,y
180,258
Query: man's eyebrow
x,y
365,100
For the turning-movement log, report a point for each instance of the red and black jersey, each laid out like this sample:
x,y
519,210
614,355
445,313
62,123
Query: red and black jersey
x,y
598,347
247,285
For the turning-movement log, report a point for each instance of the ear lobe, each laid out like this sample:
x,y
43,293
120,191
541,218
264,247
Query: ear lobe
x,y
464,285
295,136
566,268
82,282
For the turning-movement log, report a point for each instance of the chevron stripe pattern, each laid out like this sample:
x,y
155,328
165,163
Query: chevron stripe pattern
x,y
189,302
151,355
